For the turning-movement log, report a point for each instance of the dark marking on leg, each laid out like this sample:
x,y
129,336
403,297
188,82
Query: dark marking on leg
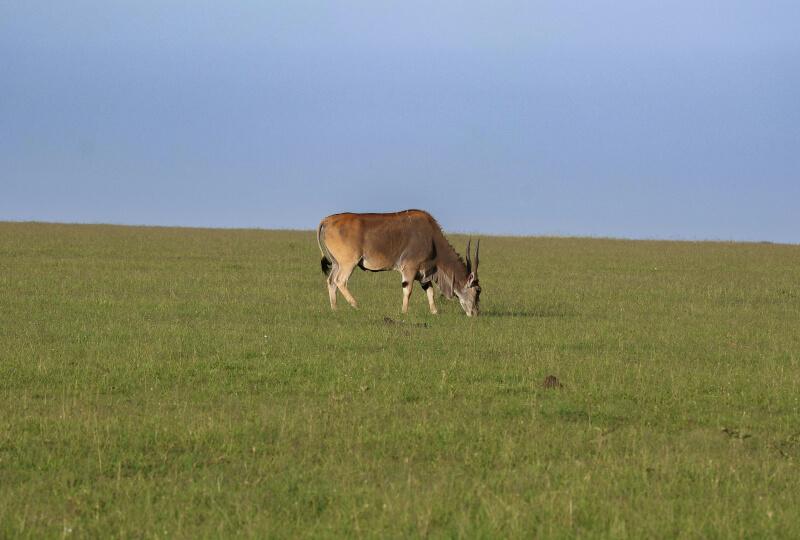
x,y
425,285
404,284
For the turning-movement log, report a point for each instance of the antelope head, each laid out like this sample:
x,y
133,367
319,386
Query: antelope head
x,y
469,292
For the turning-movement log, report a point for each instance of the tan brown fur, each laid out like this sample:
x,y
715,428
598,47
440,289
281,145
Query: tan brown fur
x,y
410,242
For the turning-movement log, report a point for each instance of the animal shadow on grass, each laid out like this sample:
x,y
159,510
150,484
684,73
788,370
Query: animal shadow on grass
x,y
388,321
540,311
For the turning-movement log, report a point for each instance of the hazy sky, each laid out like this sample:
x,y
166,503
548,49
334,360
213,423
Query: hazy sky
x,y
643,119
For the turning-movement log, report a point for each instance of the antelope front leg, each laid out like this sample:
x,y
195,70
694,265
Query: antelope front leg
x,y
431,303
407,284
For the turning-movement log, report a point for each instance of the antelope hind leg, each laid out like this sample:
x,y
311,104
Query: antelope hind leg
x,y
341,282
332,291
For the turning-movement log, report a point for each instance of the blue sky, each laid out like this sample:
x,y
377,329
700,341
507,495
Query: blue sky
x,y
636,119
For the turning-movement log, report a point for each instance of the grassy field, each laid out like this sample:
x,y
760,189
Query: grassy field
x,y
165,383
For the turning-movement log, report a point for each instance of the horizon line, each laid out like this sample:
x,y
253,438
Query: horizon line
x,y
448,231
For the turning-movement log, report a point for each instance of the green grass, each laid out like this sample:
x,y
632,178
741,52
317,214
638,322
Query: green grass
x,y
167,383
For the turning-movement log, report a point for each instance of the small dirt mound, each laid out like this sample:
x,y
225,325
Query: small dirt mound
x,y
552,382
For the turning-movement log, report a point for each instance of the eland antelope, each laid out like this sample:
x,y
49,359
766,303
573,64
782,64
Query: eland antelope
x,y
410,242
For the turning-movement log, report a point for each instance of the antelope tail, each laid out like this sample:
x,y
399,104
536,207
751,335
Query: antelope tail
x,y
325,263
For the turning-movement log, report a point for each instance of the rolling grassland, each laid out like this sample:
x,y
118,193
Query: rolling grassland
x,y
185,383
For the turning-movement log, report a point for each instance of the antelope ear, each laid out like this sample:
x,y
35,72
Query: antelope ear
x,y
470,279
